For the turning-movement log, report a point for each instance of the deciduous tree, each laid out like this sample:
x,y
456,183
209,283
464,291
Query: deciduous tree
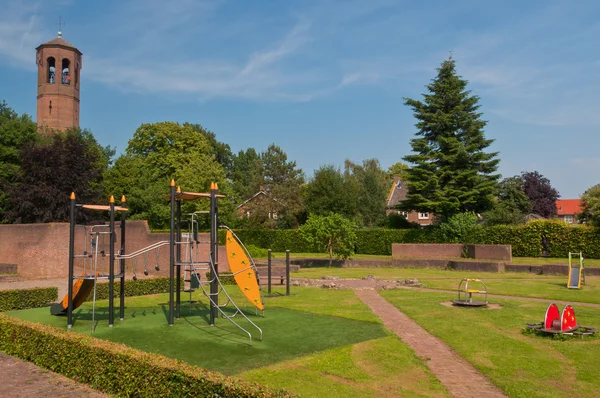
x,y
160,152
541,194
451,171
332,232
62,163
329,192
591,206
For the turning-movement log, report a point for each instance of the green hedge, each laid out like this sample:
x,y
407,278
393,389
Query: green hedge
x,y
140,287
21,299
526,240
116,368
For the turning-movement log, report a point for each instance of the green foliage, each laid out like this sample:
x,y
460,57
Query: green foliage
x,y
257,252
158,153
20,299
371,185
140,287
328,192
451,173
226,278
540,192
526,239
591,206
16,131
61,163
334,232
246,174
117,369
458,228
512,204
399,169
396,221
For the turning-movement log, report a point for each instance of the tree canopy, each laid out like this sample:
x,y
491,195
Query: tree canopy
x,y
52,168
451,172
511,206
540,192
329,192
15,132
591,206
370,184
156,154
332,232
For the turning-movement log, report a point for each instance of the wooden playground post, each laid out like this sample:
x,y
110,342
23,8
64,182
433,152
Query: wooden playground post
x,y
111,266
122,263
172,255
287,272
214,249
178,258
269,271
71,261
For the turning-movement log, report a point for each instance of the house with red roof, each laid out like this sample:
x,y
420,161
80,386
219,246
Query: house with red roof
x,y
567,210
397,194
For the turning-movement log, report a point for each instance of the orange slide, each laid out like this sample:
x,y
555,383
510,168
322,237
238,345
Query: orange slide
x,y
81,289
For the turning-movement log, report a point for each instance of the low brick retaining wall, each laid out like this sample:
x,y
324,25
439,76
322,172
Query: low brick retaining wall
x,y
452,250
419,263
479,266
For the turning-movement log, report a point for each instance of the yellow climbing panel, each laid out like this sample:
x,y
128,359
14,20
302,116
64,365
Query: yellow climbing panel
x,y
244,274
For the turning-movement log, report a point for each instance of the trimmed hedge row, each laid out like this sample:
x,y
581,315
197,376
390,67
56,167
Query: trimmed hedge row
x,y
526,240
21,299
116,368
141,287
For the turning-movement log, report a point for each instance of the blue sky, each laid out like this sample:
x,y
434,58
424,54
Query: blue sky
x,y
325,80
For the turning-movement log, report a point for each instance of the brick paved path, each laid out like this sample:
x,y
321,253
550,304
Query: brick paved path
x,y
456,374
19,379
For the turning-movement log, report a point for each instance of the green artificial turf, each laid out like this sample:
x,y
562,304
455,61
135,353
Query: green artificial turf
x,y
523,365
341,319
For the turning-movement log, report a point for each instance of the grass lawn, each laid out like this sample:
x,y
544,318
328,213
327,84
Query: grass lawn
x,y
503,283
591,262
492,340
316,342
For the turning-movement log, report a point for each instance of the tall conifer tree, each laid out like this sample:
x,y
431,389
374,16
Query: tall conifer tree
x,y
451,172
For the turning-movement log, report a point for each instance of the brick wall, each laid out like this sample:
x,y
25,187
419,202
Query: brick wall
x,y
41,251
451,250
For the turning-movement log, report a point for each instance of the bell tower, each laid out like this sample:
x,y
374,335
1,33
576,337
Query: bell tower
x,y
59,63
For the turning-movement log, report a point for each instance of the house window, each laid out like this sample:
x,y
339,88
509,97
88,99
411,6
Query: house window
x,y
569,219
423,216
248,213
403,213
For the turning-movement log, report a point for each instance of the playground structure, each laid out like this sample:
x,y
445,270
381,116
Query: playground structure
x,y
576,271
465,294
561,323
184,251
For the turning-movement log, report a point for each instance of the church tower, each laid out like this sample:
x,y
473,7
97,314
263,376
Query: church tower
x,y
59,63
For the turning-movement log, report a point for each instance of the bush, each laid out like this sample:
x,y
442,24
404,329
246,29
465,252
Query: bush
x,y
458,228
21,299
115,368
140,287
226,279
526,239
257,252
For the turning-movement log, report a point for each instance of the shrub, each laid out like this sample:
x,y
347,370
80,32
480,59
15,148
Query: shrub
x,y
458,228
115,368
21,299
140,287
257,252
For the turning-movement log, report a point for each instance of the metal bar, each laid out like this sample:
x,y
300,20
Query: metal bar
x,y
287,272
214,299
122,263
178,260
144,250
172,254
269,271
111,265
71,261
